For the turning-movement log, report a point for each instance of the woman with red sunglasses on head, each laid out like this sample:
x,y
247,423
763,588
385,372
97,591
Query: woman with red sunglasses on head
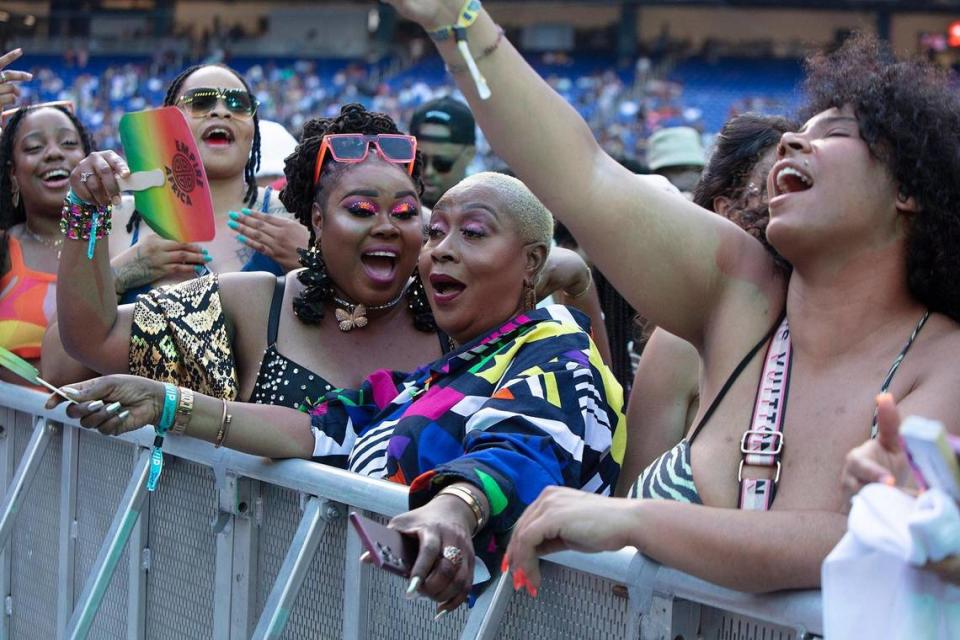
x,y
863,203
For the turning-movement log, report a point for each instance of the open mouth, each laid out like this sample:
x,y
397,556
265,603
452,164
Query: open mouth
x,y
445,287
380,265
789,179
55,178
218,136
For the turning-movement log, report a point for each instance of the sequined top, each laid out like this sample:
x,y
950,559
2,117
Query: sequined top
x,y
281,381
284,382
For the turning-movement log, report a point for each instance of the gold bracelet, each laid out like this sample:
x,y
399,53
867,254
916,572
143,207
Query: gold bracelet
x,y
574,296
462,68
471,501
184,411
225,420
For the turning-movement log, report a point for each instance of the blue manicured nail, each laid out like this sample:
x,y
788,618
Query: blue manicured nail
x,y
207,257
242,238
233,225
234,215
246,211
199,270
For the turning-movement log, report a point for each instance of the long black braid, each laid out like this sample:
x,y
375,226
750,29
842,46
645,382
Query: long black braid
x,y
253,162
300,193
11,214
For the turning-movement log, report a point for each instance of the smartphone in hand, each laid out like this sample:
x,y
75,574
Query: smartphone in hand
x,y
390,550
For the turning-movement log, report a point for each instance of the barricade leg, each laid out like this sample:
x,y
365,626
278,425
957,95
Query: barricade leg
x,y
27,469
316,514
484,620
356,586
109,555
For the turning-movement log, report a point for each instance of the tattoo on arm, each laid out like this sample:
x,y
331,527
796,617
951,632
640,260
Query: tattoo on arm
x,y
134,274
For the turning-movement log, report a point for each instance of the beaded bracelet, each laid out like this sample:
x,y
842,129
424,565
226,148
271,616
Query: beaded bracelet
x,y
171,398
76,220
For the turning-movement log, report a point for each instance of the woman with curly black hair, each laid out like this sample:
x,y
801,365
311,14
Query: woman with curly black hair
x,y
353,308
863,204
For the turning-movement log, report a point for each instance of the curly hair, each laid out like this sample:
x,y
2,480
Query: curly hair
x,y
909,117
11,214
300,193
740,145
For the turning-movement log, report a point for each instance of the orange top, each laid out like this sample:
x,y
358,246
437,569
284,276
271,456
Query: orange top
x,y
28,302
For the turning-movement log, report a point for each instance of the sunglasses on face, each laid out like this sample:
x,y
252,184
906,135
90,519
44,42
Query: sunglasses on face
x,y
199,102
355,147
63,104
440,163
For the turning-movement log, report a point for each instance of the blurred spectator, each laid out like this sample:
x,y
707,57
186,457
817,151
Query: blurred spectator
x,y
276,144
676,153
446,136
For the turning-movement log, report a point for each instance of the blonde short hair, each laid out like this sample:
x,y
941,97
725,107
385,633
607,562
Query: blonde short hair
x,y
533,221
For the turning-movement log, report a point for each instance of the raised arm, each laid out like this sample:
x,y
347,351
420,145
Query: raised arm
x,y
93,328
672,260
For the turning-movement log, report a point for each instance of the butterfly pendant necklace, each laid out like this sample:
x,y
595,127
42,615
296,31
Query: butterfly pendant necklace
x,y
354,316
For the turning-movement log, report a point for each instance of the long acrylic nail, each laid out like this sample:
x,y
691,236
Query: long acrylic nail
x,y
113,407
233,224
505,564
440,615
412,587
70,390
241,238
234,215
364,557
96,405
246,211
123,415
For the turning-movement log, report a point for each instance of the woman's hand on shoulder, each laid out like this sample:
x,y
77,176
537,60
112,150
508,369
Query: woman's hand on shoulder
x,y
565,272
443,522
275,236
153,259
94,179
113,404
9,90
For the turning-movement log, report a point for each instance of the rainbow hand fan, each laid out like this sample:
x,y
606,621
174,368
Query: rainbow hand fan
x,y
167,175
27,371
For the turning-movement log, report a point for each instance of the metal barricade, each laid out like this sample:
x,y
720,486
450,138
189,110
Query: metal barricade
x,y
232,546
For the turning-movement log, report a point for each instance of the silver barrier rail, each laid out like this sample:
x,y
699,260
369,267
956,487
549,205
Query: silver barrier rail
x,y
237,546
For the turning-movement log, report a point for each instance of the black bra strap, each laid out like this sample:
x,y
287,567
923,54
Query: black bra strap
x,y
276,303
733,376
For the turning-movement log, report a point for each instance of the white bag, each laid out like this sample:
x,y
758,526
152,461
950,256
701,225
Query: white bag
x,y
872,587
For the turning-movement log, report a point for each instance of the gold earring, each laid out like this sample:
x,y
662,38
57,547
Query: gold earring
x,y
529,297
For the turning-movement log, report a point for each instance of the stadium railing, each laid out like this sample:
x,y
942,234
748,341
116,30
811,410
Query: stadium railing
x,y
234,546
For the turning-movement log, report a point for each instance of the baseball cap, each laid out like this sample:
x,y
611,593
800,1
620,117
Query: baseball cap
x,y
675,147
450,113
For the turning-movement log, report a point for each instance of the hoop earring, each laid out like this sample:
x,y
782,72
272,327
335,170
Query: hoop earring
x,y
317,286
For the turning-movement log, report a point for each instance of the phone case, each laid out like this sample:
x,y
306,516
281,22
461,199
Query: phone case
x,y
390,550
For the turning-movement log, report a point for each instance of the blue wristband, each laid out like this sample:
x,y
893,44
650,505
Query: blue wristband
x,y
170,398
75,199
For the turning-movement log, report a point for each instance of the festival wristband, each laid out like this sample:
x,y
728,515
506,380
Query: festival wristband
x,y
171,398
468,15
